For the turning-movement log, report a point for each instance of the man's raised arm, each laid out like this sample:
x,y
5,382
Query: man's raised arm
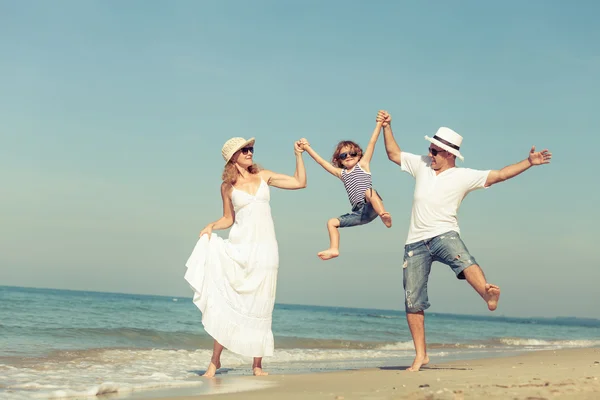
x,y
391,147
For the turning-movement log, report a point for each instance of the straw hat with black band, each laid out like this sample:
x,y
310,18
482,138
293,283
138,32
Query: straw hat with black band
x,y
448,140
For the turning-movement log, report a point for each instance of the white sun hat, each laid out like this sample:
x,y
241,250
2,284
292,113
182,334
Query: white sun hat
x,y
448,140
233,145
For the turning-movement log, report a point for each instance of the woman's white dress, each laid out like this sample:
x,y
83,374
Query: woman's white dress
x,y
235,279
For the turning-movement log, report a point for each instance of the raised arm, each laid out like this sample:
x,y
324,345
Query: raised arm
x,y
534,158
368,155
391,147
298,181
228,213
337,172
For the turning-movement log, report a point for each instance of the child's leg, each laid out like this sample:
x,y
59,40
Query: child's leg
x,y
373,198
334,240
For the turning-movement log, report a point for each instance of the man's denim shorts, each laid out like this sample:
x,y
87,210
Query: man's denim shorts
x,y
447,248
361,214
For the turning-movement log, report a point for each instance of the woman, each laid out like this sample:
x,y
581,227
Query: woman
x,y
234,280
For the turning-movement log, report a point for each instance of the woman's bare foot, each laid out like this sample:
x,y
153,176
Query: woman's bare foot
x,y
418,362
212,369
386,218
328,254
258,371
492,295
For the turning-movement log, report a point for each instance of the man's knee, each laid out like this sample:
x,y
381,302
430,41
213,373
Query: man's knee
x,y
415,297
468,270
415,308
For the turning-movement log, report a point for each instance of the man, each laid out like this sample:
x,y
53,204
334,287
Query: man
x,y
433,234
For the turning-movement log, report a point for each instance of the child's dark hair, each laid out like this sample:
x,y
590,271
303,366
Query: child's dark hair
x,y
354,147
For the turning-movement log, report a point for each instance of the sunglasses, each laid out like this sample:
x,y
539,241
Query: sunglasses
x,y
250,149
435,152
343,156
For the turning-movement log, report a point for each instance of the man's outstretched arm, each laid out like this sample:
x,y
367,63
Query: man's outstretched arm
x,y
391,147
534,158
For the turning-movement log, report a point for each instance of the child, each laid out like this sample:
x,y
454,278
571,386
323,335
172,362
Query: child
x,y
352,167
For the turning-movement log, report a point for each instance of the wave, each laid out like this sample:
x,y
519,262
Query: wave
x,y
148,338
515,343
524,342
93,372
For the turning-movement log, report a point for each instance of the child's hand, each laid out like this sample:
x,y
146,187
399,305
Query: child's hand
x,y
303,143
385,117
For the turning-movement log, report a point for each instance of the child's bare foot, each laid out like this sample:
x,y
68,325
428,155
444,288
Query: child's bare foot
x,y
328,254
258,371
386,218
492,295
212,369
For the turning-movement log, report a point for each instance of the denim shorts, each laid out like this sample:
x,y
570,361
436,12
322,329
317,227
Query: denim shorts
x,y
361,214
447,248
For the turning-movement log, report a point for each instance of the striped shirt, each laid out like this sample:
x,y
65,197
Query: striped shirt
x,y
357,182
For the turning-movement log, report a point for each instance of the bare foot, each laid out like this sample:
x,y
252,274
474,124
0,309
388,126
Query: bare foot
x,y
386,218
492,295
328,254
212,369
418,363
258,371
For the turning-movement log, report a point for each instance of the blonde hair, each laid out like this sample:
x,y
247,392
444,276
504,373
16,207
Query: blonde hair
x,y
231,173
354,147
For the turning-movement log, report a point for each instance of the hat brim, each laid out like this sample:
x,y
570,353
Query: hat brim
x,y
241,146
445,147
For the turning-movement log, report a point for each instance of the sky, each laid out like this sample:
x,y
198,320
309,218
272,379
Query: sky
x,y
113,115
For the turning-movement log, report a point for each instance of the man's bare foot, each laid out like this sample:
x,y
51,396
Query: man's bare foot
x,y
328,254
212,369
418,363
258,371
386,218
492,295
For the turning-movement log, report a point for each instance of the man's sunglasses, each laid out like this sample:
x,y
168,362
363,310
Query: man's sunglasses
x,y
435,152
343,156
250,149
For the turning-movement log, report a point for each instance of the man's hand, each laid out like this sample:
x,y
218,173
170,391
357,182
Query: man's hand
x,y
384,117
539,157
300,145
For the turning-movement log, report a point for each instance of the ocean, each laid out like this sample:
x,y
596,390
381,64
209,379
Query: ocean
x,y
76,344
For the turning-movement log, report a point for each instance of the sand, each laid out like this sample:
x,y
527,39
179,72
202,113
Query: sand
x,y
561,374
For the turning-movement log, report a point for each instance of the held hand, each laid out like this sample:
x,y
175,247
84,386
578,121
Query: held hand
x,y
298,147
539,157
303,143
207,230
385,117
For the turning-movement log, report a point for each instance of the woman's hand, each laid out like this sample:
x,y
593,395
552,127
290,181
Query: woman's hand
x,y
207,230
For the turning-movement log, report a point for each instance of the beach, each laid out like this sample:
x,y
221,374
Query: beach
x,y
553,374
57,344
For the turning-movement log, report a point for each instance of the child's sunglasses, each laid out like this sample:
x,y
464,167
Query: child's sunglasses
x,y
343,156
250,149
